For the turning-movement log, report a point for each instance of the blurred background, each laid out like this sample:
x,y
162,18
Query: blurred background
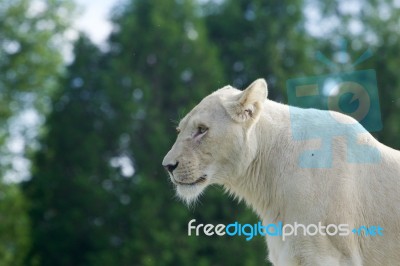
x,y
91,91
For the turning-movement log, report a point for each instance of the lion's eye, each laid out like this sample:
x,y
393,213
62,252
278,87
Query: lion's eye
x,y
201,130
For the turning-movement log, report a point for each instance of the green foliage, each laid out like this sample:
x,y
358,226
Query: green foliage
x,y
31,41
14,226
260,39
77,198
385,64
376,29
31,35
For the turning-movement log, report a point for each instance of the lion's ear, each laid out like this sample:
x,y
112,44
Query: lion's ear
x,y
248,105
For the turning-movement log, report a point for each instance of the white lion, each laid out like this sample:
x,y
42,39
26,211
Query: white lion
x,y
246,143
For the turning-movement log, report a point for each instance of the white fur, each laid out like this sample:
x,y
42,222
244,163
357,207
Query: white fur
x,y
250,150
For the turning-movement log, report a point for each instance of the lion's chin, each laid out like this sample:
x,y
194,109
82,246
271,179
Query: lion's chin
x,y
189,193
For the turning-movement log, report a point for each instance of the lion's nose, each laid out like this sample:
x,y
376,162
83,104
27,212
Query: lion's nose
x,y
171,167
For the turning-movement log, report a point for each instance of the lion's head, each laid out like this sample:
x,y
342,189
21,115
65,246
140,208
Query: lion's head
x,y
215,142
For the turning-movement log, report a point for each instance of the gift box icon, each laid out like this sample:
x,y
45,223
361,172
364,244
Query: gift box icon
x,y
353,93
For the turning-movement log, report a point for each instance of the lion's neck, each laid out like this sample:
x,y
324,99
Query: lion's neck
x,y
261,185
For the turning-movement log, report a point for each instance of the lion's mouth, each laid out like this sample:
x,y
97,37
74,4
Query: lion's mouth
x,y
201,179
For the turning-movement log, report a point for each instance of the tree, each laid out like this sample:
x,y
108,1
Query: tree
x,y
30,61
14,226
369,25
31,35
77,193
258,38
